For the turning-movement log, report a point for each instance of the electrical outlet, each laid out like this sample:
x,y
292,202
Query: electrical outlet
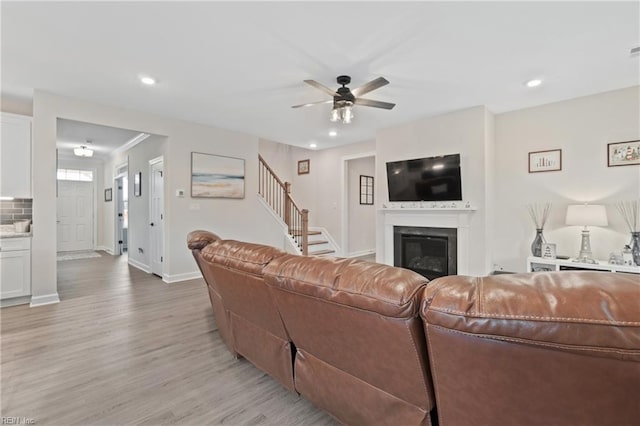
x,y
179,192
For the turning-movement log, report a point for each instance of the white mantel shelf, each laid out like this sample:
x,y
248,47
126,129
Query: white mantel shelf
x,y
428,209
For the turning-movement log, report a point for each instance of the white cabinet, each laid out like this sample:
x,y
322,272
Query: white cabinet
x,y
15,156
538,264
15,267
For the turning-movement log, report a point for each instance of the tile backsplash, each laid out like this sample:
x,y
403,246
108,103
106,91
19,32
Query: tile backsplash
x,y
16,209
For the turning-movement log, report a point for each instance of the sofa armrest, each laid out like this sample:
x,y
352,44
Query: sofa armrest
x,y
197,240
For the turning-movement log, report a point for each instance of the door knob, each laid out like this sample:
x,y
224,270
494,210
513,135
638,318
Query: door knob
x,y
151,223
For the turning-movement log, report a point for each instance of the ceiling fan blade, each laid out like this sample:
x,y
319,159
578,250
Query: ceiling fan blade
x,y
370,86
319,86
375,104
313,103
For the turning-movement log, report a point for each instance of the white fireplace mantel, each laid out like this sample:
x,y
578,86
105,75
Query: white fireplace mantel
x,y
458,218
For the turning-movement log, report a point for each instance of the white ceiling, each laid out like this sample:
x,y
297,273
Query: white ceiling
x,y
103,140
241,65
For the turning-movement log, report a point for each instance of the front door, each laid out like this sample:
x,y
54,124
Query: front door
x,y
75,215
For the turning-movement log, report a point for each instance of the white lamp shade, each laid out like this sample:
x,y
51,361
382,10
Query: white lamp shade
x,y
587,215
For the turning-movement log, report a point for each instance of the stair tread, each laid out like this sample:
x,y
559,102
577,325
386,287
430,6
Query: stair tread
x,y
298,233
311,243
319,252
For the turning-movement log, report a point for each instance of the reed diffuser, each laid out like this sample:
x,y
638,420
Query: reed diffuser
x,y
539,213
630,212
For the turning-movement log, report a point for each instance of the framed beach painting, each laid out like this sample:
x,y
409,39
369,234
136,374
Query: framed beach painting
x,y
216,176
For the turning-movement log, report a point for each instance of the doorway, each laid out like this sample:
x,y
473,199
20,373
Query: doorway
x,y
156,215
121,185
75,210
358,212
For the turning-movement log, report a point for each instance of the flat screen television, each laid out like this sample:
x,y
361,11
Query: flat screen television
x,y
425,179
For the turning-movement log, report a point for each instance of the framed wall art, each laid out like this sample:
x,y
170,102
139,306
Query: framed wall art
x,y
303,167
216,176
623,153
366,190
108,194
545,161
548,251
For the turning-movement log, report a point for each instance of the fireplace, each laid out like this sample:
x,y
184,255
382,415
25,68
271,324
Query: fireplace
x,y
431,252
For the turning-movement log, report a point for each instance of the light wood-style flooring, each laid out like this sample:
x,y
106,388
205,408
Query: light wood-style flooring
x,y
123,347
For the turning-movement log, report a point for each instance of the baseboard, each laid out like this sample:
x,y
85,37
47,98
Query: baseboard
x,y
47,299
170,279
104,248
14,301
501,272
139,265
361,253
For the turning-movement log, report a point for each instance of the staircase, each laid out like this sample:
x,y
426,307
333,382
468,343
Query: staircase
x,y
277,195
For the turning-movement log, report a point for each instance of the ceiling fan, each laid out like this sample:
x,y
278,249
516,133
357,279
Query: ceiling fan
x,y
344,98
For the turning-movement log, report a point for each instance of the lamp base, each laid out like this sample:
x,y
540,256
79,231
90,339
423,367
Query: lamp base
x,y
585,249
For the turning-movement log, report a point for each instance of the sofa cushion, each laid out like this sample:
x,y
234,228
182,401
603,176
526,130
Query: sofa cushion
x,y
246,257
591,312
197,240
370,286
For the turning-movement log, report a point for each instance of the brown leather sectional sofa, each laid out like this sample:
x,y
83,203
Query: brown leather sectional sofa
x,y
374,344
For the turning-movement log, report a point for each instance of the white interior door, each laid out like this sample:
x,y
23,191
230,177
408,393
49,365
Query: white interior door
x,y
75,215
156,216
122,215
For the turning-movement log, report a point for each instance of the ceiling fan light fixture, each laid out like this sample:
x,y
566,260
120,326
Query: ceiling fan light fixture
x,y
342,111
83,151
347,114
335,115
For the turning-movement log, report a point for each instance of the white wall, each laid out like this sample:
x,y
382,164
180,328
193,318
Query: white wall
x,y
320,191
16,105
465,132
278,156
361,218
582,128
240,219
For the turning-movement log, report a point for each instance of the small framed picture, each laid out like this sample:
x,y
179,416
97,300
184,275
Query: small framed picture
x,y
137,186
366,190
303,167
108,194
548,251
623,153
545,161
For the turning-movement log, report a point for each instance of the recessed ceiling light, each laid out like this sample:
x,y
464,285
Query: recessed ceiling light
x,y
534,83
333,133
149,81
313,145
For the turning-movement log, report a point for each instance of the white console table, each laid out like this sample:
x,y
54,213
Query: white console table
x,y
538,264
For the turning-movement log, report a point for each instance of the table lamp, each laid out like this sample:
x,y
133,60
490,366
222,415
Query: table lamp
x,y
586,215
